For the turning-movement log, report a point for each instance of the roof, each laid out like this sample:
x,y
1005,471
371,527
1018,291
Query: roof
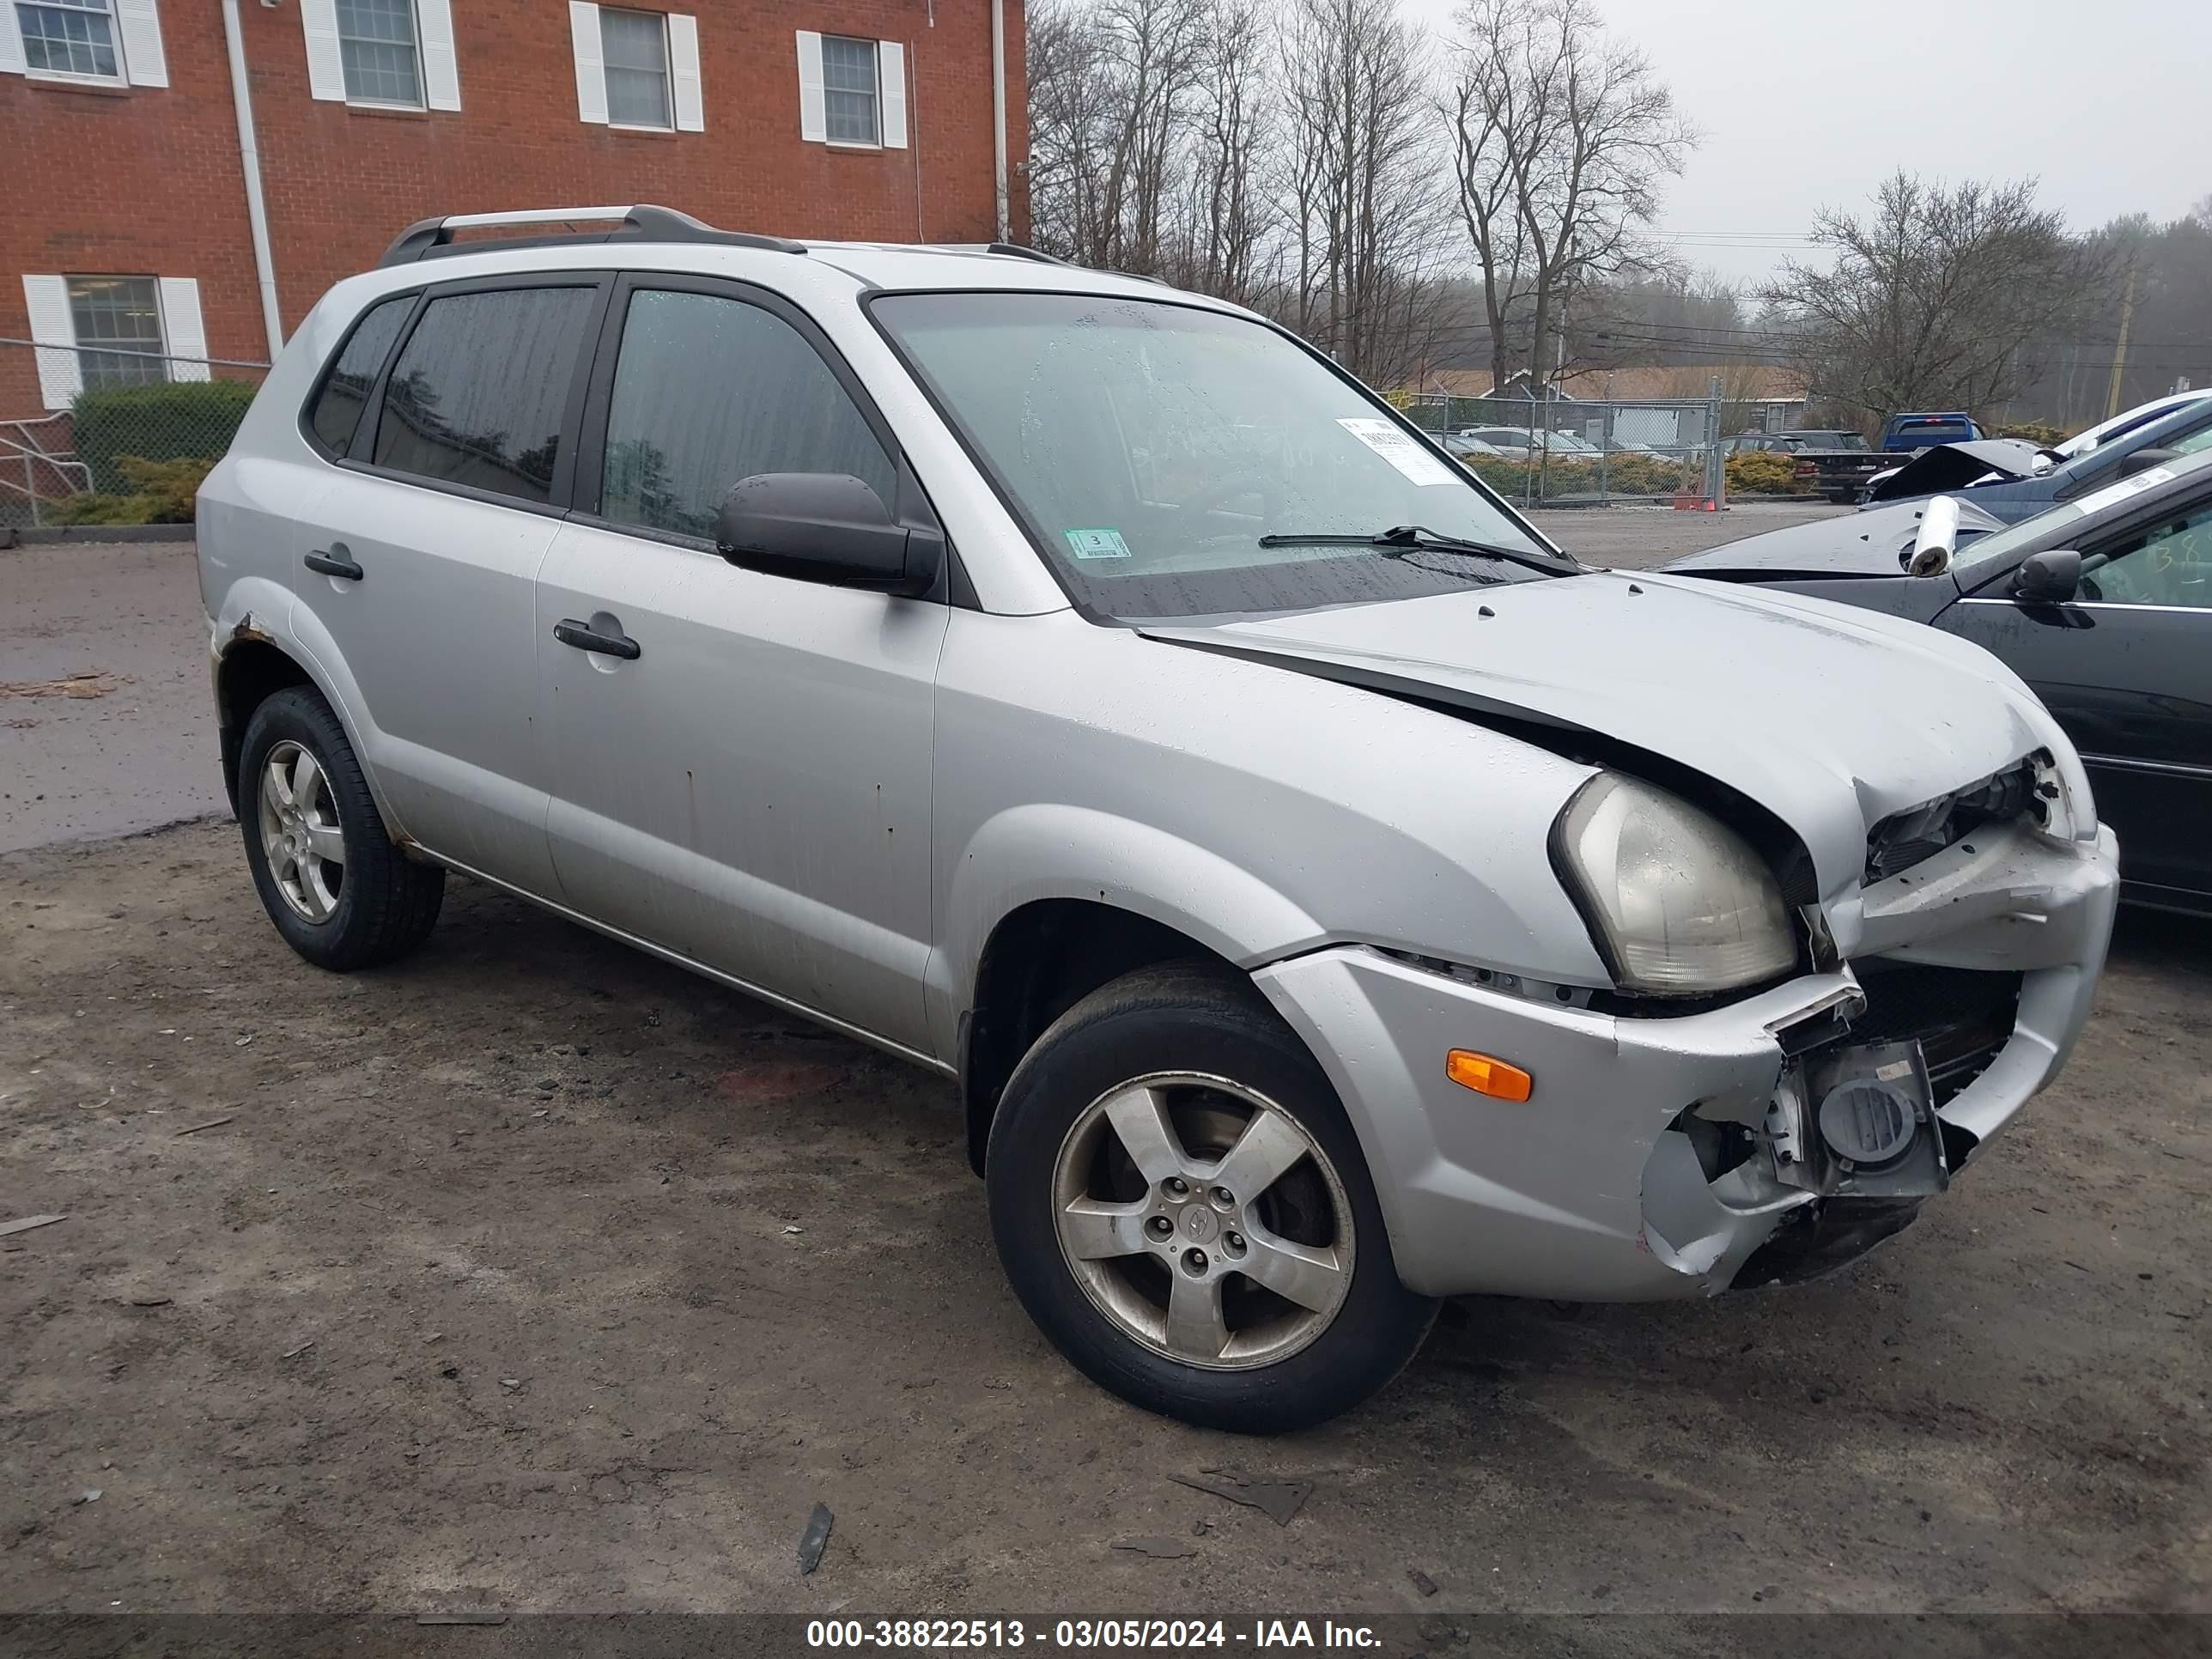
x,y
627,238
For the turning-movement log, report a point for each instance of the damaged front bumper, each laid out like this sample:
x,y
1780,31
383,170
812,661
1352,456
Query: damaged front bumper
x,y
1670,1157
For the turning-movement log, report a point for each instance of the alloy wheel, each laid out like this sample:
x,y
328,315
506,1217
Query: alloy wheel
x,y
1203,1220
301,833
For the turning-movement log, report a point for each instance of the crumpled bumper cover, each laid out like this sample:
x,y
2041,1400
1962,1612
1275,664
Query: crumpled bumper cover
x,y
1579,1193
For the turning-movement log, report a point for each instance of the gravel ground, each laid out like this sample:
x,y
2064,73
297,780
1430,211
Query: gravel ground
x,y
536,1273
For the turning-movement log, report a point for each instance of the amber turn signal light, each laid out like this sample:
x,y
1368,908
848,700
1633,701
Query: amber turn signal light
x,y
1487,1075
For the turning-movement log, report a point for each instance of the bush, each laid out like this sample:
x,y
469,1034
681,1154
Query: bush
x,y
163,495
1625,474
2041,433
160,423
1762,472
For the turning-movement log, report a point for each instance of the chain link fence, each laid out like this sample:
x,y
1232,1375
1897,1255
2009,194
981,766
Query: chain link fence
x,y
1564,451
133,435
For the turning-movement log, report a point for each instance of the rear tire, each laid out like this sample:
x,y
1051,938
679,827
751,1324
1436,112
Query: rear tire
x,y
335,884
1261,1296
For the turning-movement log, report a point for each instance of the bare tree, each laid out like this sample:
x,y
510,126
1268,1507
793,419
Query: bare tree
x,y
1111,85
1933,294
1564,137
1366,204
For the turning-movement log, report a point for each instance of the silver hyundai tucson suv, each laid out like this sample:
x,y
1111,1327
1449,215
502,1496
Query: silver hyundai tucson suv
x,y
1326,894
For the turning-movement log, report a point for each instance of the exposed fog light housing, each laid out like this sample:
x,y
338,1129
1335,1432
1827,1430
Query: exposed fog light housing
x,y
1677,902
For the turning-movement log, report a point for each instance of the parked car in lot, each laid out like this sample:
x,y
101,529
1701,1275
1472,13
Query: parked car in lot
x,y
1324,895
2013,480
2102,604
1834,464
1909,432
1512,442
1465,449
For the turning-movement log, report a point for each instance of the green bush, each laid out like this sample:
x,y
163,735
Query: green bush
x,y
163,493
1762,472
1628,473
164,422
2036,432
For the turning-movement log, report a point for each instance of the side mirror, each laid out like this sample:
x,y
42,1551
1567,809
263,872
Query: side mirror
x,y
2049,577
826,527
2143,459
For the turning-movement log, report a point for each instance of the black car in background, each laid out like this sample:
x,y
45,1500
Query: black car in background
x,y
2102,603
1831,463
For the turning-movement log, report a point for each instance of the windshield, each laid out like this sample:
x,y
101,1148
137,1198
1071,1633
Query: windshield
x,y
2049,528
1149,447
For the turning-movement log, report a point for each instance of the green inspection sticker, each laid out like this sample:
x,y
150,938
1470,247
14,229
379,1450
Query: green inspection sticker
x,y
1100,544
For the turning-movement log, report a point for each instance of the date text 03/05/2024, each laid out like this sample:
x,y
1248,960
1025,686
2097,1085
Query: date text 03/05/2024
x,y
1080,1635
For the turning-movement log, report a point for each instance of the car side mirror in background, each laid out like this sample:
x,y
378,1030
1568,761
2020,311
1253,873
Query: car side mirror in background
x,y
2049,577
826,527
2143,459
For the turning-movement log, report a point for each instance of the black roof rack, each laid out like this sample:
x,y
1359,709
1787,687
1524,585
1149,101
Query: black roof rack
x,y
1017,251
428,239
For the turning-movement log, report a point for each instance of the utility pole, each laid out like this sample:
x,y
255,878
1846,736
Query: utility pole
x,y
2120,351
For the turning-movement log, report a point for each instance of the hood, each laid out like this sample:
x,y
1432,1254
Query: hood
x,y
1830,718
1955,466
1876,542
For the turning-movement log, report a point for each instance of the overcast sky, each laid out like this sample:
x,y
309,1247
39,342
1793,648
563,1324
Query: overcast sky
x,y
1813,103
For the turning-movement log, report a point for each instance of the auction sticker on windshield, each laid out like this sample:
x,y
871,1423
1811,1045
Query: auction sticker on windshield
x,y
1395,447
1103,543
2120,492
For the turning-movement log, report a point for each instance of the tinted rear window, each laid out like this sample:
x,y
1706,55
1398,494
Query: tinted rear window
x,y
481,387
353,376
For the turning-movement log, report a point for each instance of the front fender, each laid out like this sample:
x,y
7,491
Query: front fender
x,y
1057,851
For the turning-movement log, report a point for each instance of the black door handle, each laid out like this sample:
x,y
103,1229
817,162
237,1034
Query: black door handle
x,y
335,560
590,638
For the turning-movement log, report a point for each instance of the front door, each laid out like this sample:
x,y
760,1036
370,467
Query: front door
x,y
740,762
2126,667
420,581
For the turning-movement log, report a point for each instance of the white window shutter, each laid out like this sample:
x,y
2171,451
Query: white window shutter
x,y
890,77
143,60
590,62
441,71
11,42
183,333
684,61
47,298
813,111
319,19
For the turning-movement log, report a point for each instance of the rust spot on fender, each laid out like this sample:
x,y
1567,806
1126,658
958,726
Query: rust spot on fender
x,y
247,630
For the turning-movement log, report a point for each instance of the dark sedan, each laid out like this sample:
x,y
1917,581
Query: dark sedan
x,y
2102,603
2012,480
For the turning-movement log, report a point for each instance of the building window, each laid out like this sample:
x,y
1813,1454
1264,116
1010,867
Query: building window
x,y
381,51
123,313
849,95
634,46
76,38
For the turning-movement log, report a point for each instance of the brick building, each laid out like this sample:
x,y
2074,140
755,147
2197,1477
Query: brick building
x,y
125,178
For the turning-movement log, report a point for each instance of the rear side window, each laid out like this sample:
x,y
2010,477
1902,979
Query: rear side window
x,y
353,376
480,390
708,391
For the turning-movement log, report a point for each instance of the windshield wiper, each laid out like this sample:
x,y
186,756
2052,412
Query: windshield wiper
x,y
1400,539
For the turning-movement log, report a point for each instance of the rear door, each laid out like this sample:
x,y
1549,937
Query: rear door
x,y
743,778
2126,667
418,584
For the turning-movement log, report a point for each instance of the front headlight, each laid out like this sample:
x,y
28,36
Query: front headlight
x,y
1676,901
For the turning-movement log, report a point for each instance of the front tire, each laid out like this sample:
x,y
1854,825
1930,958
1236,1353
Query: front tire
x,y
333,882
1181,1204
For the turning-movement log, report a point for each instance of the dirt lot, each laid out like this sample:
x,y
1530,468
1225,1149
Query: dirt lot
x,y
538,1275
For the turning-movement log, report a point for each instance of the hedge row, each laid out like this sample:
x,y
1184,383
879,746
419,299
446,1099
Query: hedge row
x,y
176,420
